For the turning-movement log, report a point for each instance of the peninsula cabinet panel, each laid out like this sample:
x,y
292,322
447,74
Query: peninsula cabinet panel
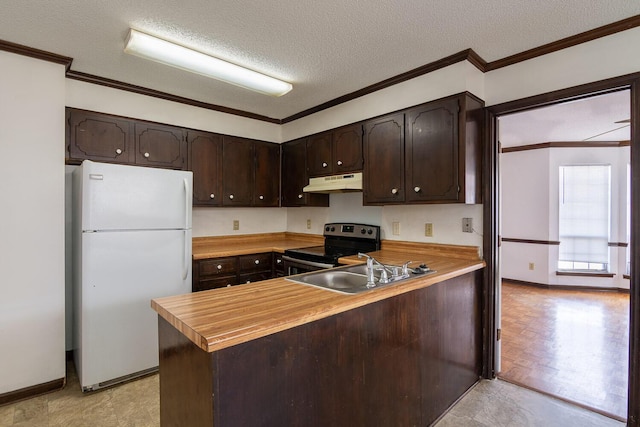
x,y
401,361
295,177
238,171
98,137
442,151
205,161
160,146
267,174
384,160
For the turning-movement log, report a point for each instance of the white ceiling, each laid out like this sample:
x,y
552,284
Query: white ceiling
x,y
326,49
588,119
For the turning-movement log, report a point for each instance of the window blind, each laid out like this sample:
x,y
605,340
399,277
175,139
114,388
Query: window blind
x,y
584,221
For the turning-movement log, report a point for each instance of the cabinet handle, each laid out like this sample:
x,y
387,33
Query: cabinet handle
x,y
339,162
231,196
278,261
324,164
261,197
228,285
394,191
219,267
416,189
118,151
299,196
146,155
256,262
212,196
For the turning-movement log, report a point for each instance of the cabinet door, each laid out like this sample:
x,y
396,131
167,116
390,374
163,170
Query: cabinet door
x,y
294,176
99,137
294,172
267,174
319,160
384,160
238,171
205,161
432,157
160,145
347,149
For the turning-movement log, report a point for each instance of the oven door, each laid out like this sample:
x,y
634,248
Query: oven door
x,y
297,266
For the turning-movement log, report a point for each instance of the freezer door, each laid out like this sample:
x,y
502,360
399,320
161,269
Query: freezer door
x,y
121,273
120,197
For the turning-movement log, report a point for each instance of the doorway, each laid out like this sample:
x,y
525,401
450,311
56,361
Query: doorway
x,y
493,217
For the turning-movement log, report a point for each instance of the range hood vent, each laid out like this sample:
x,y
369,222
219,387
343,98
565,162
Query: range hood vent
x,y
335,183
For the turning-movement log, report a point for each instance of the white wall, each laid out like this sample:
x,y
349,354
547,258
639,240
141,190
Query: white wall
x,y
113,101
530,192
31,222
611,56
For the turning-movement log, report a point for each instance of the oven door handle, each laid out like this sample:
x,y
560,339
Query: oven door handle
x,y
305,262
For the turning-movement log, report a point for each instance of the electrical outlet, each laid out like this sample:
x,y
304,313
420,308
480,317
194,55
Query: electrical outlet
x,y
236,224
308,224
467,225
531,266
396,228
428,229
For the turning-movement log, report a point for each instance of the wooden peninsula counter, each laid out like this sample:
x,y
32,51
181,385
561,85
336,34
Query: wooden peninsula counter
x,y
279,353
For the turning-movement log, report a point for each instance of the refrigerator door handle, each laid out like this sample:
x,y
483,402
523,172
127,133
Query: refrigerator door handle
x,y
186,202
185,257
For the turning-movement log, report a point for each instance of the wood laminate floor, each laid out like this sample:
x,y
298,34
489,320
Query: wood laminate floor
x,y
569,344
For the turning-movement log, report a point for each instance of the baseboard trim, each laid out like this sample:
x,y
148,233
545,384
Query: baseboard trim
x,y
565,287
33,391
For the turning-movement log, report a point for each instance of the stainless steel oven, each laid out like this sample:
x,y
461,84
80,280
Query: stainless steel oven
x,y
340,239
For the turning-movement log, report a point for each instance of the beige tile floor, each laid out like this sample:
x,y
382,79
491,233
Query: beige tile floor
x,y
133,404
136,404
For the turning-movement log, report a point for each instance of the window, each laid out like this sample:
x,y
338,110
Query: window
x,y
584,223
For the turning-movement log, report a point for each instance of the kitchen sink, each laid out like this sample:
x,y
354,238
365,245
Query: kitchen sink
x,y
350,279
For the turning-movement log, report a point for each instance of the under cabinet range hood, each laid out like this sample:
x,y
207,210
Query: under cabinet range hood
x,y
335,183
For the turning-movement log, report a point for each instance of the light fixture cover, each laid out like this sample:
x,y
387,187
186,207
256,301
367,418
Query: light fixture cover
x,y
155,49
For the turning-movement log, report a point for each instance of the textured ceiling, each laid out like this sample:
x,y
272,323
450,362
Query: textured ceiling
x,y
326,49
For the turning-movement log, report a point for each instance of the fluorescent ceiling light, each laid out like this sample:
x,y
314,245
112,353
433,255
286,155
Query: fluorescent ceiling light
x,y
155,49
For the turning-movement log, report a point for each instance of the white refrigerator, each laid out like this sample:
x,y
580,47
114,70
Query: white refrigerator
x,y
132,243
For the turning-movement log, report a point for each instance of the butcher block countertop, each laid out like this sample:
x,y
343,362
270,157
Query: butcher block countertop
x,y
215,247
220,318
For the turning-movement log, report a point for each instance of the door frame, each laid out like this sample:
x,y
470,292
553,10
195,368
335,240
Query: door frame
x,y
491,220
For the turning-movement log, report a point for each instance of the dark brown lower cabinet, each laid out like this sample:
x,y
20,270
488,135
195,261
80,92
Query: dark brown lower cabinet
x,y
398,362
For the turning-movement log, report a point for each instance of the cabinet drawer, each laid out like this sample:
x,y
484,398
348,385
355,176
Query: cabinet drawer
x,y
278,264
255,263
218,282
218,267
255,277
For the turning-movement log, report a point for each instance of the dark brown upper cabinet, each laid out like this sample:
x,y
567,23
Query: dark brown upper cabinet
x,y
295,177
335,152
426,154
238,174
99,137
442,151
267,174
160,146
205,161
384,160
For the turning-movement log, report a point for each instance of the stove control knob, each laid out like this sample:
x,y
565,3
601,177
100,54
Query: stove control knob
x,y
369,231
326,229
363,231
333,229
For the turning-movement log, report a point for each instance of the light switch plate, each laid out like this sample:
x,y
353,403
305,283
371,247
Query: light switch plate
x,y
428,229
308,224
396,228
236,224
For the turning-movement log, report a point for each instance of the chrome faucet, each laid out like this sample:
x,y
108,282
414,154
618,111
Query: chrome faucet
x,y
384,278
